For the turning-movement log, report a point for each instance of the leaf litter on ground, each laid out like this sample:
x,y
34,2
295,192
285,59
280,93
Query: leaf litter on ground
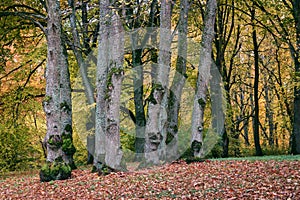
x,y
227,179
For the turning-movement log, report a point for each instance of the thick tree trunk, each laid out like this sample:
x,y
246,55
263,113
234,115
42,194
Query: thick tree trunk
x,y
155,133
101,85
177,84
114,153
57,103
203,79
109,81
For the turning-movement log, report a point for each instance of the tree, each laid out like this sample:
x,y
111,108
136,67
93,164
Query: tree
x,y
296,57
138,45
203,79
258,150
108,82
177,83
22,60
57,102
155,133
114,153
79,51
101,84
289,36
227,45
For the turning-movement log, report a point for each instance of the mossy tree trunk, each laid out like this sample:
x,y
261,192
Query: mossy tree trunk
x,y
101,82
109,81
114,153
155,133
57,103
203,79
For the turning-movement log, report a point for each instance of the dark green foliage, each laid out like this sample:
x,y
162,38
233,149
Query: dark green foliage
x,y
58,170
216,152
187,154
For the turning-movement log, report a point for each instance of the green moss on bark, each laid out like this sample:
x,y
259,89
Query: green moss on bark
x,y
201,102
68,128
55,141
67,144
65,106
58,170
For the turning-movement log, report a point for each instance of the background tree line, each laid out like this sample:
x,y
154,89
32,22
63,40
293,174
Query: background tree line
x,y
255,49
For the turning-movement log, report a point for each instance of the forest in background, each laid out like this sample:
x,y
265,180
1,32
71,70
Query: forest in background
x,y
256,50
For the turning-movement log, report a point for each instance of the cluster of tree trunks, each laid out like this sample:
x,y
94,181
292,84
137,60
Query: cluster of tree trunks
x,y
157,117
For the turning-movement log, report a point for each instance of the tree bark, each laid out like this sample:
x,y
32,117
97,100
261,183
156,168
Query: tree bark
x,y
57,103
203,80
101,85
109,81
157,114
114,153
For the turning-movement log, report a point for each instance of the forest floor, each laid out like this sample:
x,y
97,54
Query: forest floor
x,y
211,179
